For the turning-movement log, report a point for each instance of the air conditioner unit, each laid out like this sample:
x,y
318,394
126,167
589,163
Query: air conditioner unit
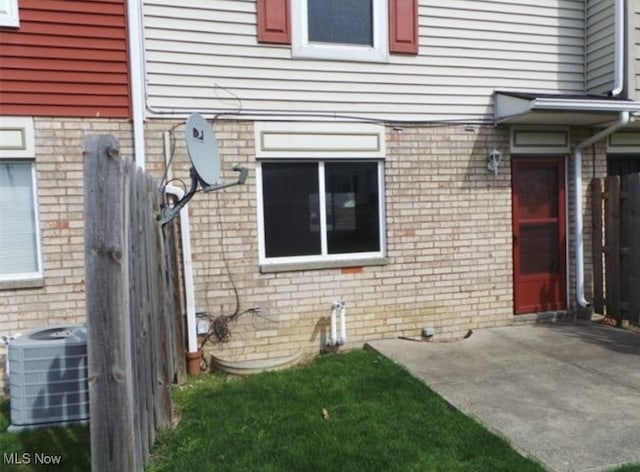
x,y
48,377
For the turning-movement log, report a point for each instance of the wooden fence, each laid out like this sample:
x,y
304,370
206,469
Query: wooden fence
x,y
616,235
133,324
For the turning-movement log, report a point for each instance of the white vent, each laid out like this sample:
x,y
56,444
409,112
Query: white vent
x,y
48,377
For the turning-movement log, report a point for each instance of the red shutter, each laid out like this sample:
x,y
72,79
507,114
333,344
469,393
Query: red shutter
x,y
403,26
274,22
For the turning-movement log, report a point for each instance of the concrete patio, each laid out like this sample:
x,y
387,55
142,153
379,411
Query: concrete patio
x,y
566,394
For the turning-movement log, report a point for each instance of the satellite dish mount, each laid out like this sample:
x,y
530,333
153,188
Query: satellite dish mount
x,y
202,147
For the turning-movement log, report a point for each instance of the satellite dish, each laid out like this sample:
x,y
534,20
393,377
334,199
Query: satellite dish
x,y
203,149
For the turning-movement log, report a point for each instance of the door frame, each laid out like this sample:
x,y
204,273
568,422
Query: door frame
x,y
563,225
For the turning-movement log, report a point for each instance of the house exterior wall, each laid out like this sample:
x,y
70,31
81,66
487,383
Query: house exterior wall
x,y
66,59
449,246
204,56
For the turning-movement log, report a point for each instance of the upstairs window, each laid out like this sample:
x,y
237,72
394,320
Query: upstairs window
x,y
340,29
354,30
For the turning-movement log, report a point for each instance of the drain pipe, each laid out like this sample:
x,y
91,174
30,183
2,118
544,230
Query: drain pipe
x,y
136,72
187,270
579,225
333,337
343,323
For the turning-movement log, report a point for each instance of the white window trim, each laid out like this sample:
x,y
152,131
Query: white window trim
x,y
9,13
19,146
324,256
301,47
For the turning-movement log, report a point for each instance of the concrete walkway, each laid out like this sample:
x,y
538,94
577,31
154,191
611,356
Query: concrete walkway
x,y
566,394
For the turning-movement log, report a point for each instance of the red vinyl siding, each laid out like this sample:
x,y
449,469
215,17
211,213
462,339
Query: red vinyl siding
x,y
67,58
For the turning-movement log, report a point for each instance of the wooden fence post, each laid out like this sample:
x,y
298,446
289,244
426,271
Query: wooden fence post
x,y
633,189
106,274
596,244
612,256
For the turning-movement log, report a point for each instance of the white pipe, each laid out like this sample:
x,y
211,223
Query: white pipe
x,y
618,64
579,229
136,65
343,323
332,325
187,270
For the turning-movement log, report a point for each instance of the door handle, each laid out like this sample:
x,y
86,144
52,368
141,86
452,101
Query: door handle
x,y
515,239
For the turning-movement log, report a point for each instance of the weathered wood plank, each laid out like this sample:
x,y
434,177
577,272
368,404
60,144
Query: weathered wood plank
x,y
147,314
596,245
612,255
163,401
131,306
107,305
633,276
171,237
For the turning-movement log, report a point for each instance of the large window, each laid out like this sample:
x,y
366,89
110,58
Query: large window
x,y
19,238
340,29
321,210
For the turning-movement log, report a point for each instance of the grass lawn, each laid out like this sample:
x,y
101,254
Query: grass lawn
x,y
70,444
380,418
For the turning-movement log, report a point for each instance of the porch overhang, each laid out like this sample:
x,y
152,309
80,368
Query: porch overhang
x,y
554,109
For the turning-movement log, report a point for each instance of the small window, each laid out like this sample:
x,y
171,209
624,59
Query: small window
x,y
20,257
340,21
354,30
9,13
320,210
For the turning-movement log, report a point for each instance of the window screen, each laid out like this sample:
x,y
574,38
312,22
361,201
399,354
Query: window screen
x,y
341,21
293,193
352,203
18,238
291,209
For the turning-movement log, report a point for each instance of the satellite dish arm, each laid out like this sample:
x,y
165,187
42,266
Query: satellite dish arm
x,y
169,213
242,178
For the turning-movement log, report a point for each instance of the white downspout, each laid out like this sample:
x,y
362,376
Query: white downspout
x,y
187,270
579,225
136,70
619,34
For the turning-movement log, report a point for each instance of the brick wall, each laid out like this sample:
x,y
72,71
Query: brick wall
x,y
449,247
448,240
60,198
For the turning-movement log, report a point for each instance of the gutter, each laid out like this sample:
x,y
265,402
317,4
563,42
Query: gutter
x,y
136,71
623,120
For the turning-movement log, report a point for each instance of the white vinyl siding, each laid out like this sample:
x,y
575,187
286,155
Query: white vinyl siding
x,y
636,45
204,56
600,46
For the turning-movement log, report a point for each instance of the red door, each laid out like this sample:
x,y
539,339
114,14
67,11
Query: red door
x,y
539,234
